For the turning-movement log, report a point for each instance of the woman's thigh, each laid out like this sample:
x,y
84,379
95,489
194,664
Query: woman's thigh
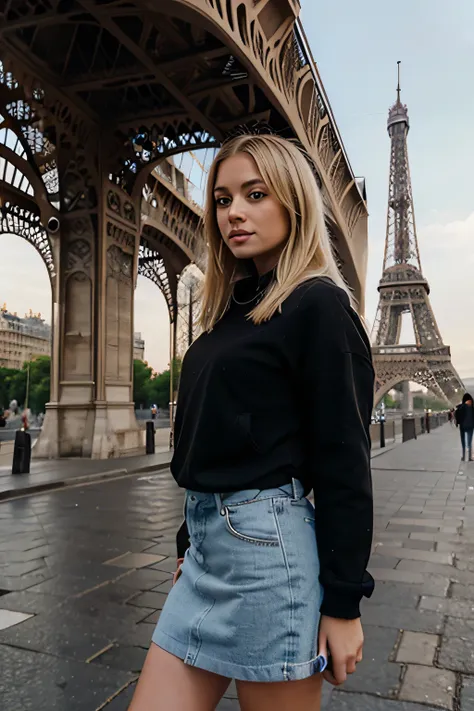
x,y
301,695
166,683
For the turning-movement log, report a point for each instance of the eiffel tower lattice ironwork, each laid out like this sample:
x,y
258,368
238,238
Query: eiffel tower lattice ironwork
x,y
404,289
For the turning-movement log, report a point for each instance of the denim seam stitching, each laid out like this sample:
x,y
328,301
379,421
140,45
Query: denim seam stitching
x,y
287,568
243,537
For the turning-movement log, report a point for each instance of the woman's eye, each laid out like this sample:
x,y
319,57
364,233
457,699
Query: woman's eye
x,y
257,195
222,201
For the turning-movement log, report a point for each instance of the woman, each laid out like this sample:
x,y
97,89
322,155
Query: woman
x,y
275,400
465,421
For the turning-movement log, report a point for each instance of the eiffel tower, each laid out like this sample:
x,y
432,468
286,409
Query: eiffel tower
x,y
403,289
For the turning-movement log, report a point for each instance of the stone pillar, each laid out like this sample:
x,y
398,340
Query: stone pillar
x,y
92,413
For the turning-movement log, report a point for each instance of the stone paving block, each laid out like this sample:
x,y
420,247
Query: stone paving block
x,y
164,587
153,600
342,701
418,555
457,654
375,674
417,648
153,618
454,608
419,545
381,561
429,685
168,565
122,701
397,576
138,635
121,657
9,618
145,578
43,682
467,694
397,527
424,567
135,560
403,619
458,591
395,595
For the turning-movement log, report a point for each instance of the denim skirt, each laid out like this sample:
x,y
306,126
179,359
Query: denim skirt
x,y
246,605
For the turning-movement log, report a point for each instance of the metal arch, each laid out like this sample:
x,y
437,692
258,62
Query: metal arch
x,y
155,144
20,117
23,223
152,265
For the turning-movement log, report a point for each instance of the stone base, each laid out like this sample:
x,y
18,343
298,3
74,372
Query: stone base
x,y
101,431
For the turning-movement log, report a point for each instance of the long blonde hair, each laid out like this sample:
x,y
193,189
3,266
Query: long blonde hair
x,y
308,251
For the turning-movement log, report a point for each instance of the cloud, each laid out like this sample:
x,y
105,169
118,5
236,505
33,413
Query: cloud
x,y
447,259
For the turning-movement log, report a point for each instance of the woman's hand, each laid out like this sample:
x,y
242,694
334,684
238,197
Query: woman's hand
x,y
176,575
344,640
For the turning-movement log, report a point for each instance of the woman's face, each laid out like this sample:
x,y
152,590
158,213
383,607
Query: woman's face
x,y
253,224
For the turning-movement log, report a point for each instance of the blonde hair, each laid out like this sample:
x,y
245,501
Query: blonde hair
x,y
308,251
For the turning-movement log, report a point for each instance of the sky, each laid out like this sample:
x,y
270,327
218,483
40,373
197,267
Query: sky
x,y
356,46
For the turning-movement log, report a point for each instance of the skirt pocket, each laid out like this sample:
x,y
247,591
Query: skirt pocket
x,y
253,522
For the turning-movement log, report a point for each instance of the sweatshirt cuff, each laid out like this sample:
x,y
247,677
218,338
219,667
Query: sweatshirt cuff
x,y
340,605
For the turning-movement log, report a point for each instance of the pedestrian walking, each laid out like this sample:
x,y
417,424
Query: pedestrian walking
x,y
275,400
465,421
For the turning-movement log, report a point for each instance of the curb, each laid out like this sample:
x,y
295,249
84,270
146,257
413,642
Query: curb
x,y
83,479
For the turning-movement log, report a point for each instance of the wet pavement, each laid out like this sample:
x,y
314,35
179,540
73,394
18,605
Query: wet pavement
x,y
85,571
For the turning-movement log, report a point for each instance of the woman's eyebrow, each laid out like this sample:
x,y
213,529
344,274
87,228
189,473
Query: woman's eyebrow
x,y
247,184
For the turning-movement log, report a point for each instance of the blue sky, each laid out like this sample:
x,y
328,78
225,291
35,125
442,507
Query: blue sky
x,y
356,46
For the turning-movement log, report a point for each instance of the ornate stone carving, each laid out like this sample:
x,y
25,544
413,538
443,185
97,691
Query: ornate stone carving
x,y
119,264
79,253
120,237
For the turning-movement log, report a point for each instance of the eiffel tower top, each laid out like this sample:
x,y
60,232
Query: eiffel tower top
x,y
398,114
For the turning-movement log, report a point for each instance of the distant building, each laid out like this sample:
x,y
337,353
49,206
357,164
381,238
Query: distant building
x,y
22,339
138,347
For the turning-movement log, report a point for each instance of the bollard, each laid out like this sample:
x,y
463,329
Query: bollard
x,y
382,433
150,437
408,429
427,420
21,453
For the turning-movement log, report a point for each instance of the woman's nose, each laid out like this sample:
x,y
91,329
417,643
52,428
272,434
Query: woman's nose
x,y
236,211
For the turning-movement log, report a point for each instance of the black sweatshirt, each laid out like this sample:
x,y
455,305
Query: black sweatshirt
x,y
291,397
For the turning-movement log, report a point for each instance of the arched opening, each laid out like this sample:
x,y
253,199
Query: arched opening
x,y
166,295
26,338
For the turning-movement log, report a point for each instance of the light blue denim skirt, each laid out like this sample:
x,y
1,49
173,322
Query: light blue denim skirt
x,y
246,605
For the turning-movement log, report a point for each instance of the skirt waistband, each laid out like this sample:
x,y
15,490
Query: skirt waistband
x,y
293,489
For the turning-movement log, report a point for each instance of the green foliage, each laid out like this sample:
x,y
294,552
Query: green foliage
x,y
142,375
391,403
6,377
13,384
149,389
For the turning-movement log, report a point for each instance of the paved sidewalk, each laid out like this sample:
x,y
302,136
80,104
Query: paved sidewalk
x,y
47,474
85,571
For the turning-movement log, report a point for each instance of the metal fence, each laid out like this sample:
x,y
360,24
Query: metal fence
x,y
405,428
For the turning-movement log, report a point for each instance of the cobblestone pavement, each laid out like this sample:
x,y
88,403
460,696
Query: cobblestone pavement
x,y
84,573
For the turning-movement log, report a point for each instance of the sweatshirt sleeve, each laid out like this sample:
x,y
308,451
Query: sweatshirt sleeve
x,y
337,382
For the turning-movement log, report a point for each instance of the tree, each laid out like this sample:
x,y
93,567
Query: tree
x,y
6,377
40,383
14,383
160,385
142,391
